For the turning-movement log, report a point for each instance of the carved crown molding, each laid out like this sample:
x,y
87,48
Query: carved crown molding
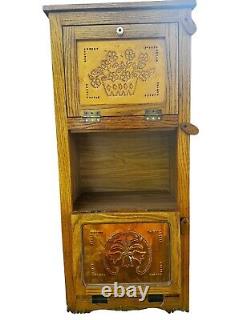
x,y
188,24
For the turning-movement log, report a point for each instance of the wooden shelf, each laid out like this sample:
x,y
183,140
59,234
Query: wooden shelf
x,y
124,202
168,122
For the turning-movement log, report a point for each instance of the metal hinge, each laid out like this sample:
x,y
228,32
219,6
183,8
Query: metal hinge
x,y
91,116
153,114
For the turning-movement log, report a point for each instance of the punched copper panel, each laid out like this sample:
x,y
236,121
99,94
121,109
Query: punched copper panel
x,y
126,253
114,72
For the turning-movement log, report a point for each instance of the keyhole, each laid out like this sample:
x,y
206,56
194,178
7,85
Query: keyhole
x,y
120,31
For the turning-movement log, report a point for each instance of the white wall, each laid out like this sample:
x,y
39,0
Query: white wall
x,y
31,276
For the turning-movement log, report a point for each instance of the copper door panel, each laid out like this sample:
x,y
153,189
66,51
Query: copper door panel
x,y
115,72
127,253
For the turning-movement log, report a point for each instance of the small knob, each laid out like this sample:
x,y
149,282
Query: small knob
x,y
189,128
119,31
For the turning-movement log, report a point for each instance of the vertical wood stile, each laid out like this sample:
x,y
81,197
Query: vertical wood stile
x,y
71,81
63,152
183,155
172,68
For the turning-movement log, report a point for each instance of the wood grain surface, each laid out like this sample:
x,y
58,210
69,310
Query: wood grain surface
x,y
63,154
183,158
144,201
167,122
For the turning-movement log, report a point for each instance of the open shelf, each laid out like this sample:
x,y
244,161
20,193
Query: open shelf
x,y
125,202
126,171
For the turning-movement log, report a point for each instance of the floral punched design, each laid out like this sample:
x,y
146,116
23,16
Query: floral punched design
x,y
119,75
126,250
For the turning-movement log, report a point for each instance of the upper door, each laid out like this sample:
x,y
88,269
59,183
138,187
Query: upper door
x,y
121,70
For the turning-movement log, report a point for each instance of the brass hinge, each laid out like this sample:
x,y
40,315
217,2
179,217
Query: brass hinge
x,y
153,115
91,116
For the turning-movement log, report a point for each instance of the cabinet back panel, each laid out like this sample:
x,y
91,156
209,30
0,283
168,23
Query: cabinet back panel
x,y
124,161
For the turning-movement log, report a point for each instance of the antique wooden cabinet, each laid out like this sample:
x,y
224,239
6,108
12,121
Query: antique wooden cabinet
x,y
122,97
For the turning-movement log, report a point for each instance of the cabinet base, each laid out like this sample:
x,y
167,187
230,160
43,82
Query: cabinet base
x,y
84,305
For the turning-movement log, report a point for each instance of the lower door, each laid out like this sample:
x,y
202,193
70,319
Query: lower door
x,y
126,249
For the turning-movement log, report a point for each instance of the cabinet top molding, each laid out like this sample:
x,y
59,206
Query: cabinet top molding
x,y
166,4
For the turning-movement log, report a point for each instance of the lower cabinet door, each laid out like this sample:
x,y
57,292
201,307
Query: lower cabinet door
x,y
145,250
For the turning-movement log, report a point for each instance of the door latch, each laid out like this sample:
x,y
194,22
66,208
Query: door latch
x,y
184,225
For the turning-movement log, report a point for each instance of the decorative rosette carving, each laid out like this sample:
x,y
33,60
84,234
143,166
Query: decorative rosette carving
x,y
127,250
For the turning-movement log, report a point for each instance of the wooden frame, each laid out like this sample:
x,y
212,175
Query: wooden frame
x,y
62,18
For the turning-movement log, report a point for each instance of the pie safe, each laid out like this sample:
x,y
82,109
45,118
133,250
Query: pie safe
x,y
122,103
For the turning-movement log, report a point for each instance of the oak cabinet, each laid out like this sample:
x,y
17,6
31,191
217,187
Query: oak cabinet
x,y
122,102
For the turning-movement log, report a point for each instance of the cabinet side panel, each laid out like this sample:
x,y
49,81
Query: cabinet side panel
x,y
183,156
63,151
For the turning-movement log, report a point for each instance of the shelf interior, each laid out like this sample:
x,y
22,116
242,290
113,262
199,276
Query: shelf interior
x,y
123,171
